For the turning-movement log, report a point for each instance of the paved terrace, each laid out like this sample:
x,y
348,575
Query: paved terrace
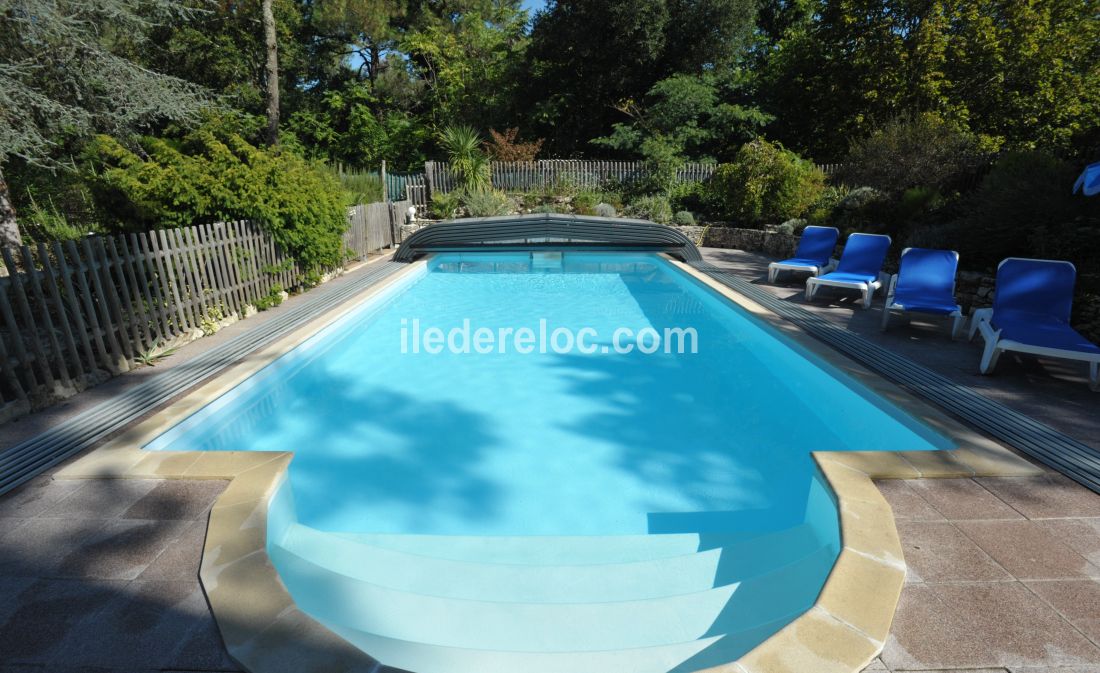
x,y
1004,574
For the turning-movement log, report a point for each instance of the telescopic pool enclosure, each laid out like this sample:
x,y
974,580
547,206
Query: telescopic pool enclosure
x,y
548,230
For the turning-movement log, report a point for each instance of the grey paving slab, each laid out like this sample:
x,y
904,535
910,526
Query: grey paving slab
x,y
182,557
143,625
48,611
177,499
121,549
38,548
1052,496
101,498
1028,550
33,498
984,625
937,551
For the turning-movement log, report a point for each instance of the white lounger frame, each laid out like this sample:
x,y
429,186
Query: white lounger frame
x,y
958,319
982,321
775,267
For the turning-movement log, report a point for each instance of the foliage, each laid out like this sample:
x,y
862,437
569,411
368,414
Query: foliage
x,y
1022,208
486,203
912,152
688,196
65,73
207,176
467,57
358,186
347,126
683,218
45,222
655,208
589,56
445,205
469,164
765,183
1014,74
503,146
271,299
694,115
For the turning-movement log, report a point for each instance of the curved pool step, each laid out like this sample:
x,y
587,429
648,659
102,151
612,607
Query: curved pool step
x,y
519,583
541,626
535,550
683,657
575,550
427,658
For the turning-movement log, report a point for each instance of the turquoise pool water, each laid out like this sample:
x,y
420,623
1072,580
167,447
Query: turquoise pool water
x,y
551,511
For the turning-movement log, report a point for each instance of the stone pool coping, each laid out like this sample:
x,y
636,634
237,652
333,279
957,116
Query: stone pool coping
x,y
265,632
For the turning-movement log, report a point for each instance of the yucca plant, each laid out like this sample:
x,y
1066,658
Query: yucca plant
x,y
469,163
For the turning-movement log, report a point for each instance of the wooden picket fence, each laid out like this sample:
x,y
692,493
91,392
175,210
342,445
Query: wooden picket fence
x,y
75,312
514,176
373,227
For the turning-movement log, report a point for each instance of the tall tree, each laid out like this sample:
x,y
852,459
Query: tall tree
x,y
64,75
1023,74
590,59
468,55
271,72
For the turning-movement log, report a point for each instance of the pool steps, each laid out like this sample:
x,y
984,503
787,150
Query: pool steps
x,y
553,581
541,626
503,605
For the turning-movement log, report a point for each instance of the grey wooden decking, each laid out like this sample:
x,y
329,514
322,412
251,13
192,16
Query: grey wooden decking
x,y
30,458
1072,458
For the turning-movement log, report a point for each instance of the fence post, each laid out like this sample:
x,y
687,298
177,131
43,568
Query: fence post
x,y
385,185
429,180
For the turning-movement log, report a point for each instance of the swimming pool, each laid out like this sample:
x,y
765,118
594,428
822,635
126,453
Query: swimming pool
x,y
551,511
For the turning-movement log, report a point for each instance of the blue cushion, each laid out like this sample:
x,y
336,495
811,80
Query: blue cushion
x,y
854,278
1036,329
926,281
864,255
920,304
1041,287
796,261
817,245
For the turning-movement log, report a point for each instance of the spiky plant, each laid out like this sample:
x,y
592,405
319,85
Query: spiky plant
x,y
469,164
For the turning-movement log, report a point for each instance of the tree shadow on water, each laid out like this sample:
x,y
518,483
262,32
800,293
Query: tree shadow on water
x,y
362,447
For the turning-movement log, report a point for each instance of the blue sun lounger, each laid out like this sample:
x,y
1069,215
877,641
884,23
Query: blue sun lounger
x,y
925,283
1032,301
814,253
860,267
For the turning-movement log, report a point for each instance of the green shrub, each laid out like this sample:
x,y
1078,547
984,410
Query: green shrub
x,y
210,176
683,218
444,206
765,183
486,203
654,208
913,152
688,196
358,186
584,203
1024,207
822,212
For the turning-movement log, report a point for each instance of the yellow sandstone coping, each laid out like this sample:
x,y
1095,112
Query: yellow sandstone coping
x,y
265,632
